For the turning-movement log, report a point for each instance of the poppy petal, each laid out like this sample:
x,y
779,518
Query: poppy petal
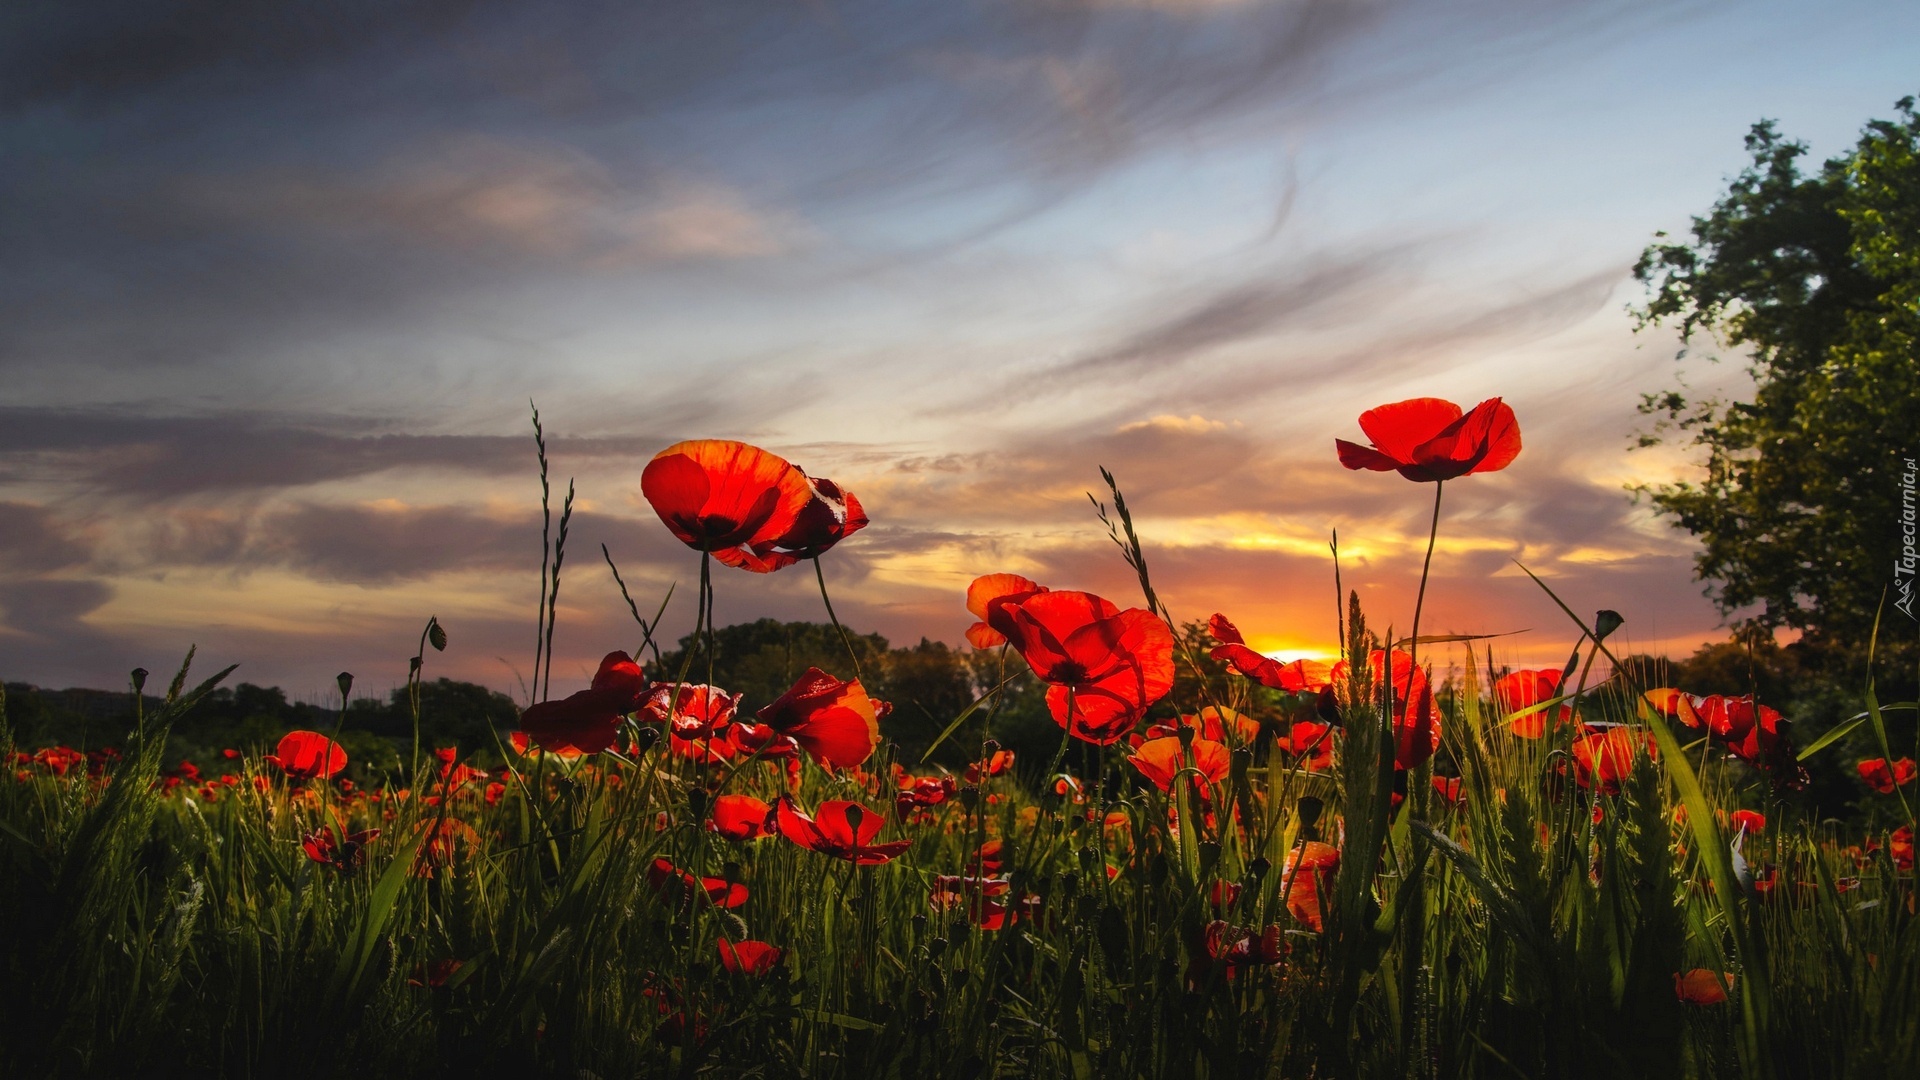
x,y
1355,456
982,636
1397,429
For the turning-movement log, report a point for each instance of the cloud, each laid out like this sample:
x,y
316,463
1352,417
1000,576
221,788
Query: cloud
x,y
489,195
117,49
125,452
1248,310
32,541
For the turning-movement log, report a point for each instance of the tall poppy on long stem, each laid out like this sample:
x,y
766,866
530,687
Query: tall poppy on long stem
x,y
717,495
1430,439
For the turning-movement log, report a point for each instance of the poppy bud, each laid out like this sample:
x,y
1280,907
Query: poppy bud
x,y
1209,857
345,679
644,737
970,798
139,679
1606,622
936,946
919,924
1258,868
1186,735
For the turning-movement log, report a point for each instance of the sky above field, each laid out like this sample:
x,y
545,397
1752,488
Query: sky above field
x,y
276,289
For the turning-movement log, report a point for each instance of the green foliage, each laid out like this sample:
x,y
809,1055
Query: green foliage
x,y
1816,278
1534,930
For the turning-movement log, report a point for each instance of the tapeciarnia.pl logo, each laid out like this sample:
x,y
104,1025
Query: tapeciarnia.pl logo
x,y
1903,567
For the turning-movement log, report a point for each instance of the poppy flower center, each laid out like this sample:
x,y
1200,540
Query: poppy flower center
x,y
1068,671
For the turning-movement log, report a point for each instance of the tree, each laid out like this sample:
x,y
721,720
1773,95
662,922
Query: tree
x,y
1817,278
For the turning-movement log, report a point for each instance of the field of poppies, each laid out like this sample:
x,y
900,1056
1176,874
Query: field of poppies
x,y
1409,862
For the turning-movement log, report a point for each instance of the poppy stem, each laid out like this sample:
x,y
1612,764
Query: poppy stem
x,y
1066,737
704,621
1420,599
821,576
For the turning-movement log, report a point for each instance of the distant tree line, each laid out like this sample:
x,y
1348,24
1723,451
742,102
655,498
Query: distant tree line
x,y
928,684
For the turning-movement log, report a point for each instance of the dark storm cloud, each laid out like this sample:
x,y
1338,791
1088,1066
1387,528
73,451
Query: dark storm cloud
x,y
32,541
124,452
48,641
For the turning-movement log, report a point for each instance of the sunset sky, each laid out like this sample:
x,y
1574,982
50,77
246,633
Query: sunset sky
x,y
275,292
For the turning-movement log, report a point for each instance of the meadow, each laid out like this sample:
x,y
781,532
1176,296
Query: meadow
x,y
1411,862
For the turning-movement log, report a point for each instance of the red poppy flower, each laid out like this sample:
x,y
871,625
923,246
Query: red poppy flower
x,y
1242,946
1416,720
1674,705
1728,719
453,774
524,745
1427,439
991,857
1758,736
308,755
721,746
831,515
444,838
716,494
756,958
1210,723
1295,677
1900,848
844,830
987,598
1883,777
1749,820
978,896
677,885
832,720
344,856
586,722
998,762
1309,875
1159,760
1310,740
1519,690
925,790
740,817
1107,663
1448,788
1702,986
1609,754
695,711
